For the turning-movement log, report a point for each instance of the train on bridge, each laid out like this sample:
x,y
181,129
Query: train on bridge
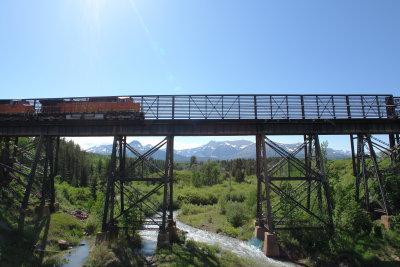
x,y
92,108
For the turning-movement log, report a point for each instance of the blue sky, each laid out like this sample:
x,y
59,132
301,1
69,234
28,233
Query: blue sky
x,y
126,47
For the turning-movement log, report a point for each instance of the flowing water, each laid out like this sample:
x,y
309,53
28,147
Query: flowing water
x,y
239,247
78,255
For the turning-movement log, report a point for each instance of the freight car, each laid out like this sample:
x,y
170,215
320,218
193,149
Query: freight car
x,y
94,108
16,110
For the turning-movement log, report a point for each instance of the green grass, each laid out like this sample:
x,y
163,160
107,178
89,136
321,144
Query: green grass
x,y
197,254
209,218
19,249
121,253
66,227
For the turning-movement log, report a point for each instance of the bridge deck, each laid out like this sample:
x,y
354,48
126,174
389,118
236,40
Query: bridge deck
x,y
192,115
201,127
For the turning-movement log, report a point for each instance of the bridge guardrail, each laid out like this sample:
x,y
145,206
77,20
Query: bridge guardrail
x,y
266,107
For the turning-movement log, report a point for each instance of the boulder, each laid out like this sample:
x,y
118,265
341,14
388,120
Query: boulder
x,y
63,244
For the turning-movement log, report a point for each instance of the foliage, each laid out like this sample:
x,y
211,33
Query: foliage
x,y
66,227
71,197
101,255
235,213
197,197
197,254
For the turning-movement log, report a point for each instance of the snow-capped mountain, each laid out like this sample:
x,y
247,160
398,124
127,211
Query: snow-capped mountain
x,y
221,150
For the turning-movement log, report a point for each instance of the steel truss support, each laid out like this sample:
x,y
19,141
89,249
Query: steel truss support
x,y
292,186
124,198
33,169
369,174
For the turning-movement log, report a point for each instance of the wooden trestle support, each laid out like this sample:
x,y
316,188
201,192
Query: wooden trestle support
x,y
32,169
124,198
291,186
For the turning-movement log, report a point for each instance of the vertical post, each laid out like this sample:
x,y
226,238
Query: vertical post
x,y
364,170
363,107
222,107
307,161
319,165
333,107
52,174
258,172
390,107
122,150
255,107
353,159
110,183
287,108
378,106
28,189
7,149
239,105
356,167
392,144
56,156
303,115
270,105
45,169
15,149
270,223
323,180
165,197
158,105
173,107
377,174
170,149
348,107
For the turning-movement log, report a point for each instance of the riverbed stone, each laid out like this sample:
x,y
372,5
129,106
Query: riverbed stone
x,y
63,244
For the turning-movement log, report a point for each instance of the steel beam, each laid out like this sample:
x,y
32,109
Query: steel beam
x,y
28,189
201,127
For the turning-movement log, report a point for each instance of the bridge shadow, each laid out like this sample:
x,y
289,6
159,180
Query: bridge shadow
x,y
42,225
23,249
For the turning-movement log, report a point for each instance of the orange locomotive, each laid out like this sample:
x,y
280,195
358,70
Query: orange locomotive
x,y
109,108
16,109
95,108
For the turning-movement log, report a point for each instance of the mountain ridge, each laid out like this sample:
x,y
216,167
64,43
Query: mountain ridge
x,y
216,150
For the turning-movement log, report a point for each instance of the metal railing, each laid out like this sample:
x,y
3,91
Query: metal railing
x,y
264,107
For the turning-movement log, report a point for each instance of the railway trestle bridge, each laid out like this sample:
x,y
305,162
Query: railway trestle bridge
x,y
278,196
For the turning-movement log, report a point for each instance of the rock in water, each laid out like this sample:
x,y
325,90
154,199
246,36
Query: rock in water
x,y
63,244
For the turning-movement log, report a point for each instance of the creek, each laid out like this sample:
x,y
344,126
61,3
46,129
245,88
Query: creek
x,y
78,255
236,246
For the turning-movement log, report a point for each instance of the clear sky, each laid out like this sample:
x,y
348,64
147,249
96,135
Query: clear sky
x,y
127,47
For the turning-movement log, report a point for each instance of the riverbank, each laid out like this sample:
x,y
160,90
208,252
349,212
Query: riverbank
x,y
124,252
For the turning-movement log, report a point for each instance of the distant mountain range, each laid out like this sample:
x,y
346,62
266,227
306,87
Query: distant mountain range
x,y
221,150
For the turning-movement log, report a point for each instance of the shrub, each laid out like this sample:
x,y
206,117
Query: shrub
x,y
376,230
230,230
237,196
93,224
188,209
354,219
395,223
222,203
235,213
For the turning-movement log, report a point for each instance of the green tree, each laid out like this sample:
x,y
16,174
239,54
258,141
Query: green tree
x,y
193,161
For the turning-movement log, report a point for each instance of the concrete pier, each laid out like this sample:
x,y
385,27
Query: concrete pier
x,y
271,247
